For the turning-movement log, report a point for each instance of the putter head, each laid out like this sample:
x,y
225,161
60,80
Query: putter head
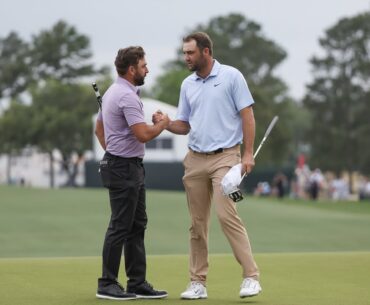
x,y
236,195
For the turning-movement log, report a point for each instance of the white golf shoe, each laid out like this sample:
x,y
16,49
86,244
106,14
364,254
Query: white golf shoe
x,y
194,291
249,288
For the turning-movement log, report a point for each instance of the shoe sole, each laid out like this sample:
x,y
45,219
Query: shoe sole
x,y
138,296
107,297
195,298
250,295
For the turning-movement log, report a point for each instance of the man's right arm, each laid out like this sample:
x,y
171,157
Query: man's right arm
x,y
181,124
179,127
144,132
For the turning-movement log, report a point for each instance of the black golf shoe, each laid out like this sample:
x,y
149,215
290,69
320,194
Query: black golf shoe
x,y
114,292
146,291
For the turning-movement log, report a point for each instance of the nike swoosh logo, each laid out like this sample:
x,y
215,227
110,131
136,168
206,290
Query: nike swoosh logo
x,y
215,85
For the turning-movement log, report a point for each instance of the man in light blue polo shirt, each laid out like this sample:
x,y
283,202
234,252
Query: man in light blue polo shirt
x,y
215,108
211,106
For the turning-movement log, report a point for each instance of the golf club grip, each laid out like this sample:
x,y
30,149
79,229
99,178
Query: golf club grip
x,y
97,93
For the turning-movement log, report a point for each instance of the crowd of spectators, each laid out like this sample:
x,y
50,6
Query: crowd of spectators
x,y
314,184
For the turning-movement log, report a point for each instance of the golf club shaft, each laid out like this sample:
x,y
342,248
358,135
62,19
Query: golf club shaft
x,y
97,93
272,124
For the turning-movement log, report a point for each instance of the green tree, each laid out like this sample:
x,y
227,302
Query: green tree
x,y
14,66
61,53
63,120
339,96
168,85
15,76
240,42
51,69
15,132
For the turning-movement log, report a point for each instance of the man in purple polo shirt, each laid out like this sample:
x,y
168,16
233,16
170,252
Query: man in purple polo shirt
x,y
122,132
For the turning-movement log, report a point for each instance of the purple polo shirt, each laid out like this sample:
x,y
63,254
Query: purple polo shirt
x,y
122,108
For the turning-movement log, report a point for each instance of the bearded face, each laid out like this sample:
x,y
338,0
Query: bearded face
x,y
197,64
139,79
141,70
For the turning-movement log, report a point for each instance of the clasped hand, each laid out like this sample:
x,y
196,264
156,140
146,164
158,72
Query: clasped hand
x,y
159,116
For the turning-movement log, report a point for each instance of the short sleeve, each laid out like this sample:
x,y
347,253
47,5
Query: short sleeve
x,y
132,109
183,109
241,93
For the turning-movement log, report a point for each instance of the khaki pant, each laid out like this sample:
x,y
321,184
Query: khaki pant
x,y
202,181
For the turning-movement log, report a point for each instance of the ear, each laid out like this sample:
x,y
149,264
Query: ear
x,y
131,70
206,51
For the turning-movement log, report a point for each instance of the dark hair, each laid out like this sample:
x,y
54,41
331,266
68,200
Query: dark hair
x,y
128,57
202,39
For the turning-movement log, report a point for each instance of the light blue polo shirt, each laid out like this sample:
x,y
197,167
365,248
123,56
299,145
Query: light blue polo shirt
x,y
212,108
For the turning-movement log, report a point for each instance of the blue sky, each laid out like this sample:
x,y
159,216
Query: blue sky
x,y
158,26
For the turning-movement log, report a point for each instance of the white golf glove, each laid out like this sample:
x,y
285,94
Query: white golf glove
x,y
230,182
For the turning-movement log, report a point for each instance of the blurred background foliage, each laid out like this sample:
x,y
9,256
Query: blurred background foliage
x,y
49,103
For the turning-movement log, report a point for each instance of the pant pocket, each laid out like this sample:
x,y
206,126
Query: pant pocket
x,y
105,173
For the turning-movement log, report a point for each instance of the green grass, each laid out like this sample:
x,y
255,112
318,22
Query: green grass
x,y
68,222
309,253
288,279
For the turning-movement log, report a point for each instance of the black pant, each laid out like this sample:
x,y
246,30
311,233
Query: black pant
x,y
314,190
124,178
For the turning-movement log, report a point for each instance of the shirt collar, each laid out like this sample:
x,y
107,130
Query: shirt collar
x,y
215,69
121,80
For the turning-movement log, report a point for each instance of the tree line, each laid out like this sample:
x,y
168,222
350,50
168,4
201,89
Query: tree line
x,y
51,102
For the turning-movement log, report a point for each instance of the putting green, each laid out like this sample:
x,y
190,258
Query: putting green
x,y
287,279
309,253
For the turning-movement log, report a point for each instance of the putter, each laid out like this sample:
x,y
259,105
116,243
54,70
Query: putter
x,y
237,194
97,93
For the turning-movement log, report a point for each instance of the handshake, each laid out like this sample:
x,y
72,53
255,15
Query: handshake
x,y
159,116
